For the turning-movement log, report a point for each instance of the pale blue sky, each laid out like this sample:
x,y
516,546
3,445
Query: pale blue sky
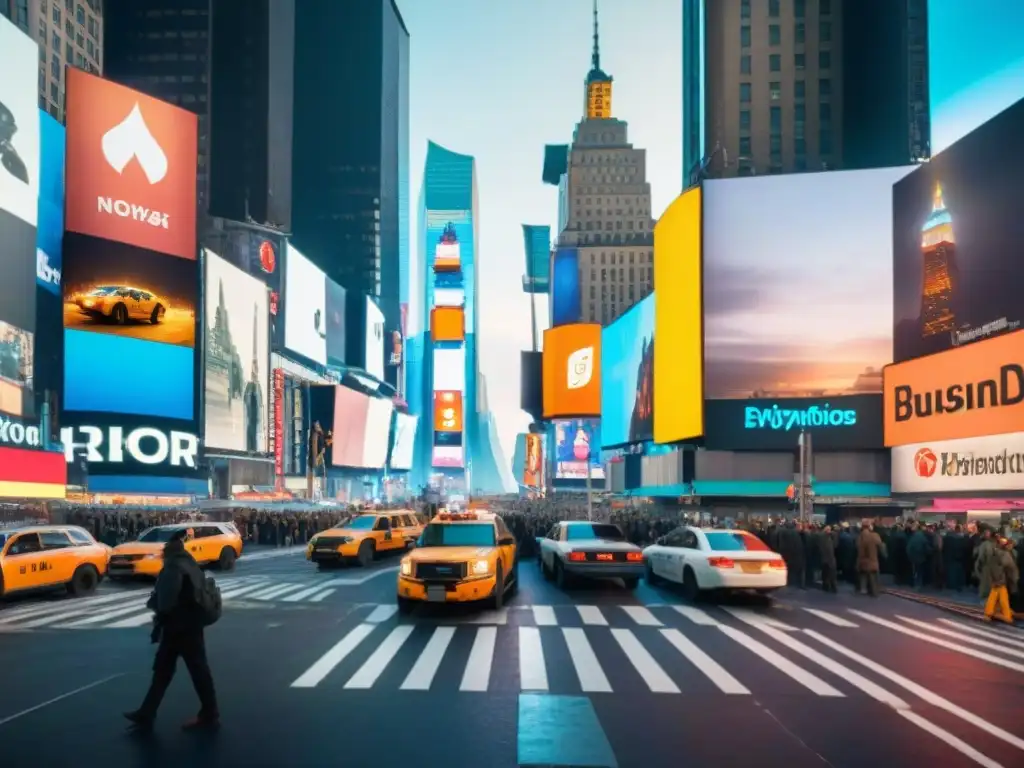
x,y
499,80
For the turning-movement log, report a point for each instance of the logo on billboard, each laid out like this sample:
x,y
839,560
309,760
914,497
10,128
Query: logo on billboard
x,y
15,433
131,139
925,462
787,419
44,272
144,445
268,259
580,368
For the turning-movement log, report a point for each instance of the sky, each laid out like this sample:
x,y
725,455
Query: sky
x,y
499,81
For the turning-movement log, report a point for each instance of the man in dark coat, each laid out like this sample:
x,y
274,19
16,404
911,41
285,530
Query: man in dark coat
x,y
178,628
827,559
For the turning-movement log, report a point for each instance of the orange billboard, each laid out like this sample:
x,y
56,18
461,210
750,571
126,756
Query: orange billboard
x,y
572,371
971,391
447,411
447,324
130,167
533,466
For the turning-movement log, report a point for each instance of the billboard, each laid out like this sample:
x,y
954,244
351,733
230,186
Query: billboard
x,y
851,423
956,221
448,457
533,468
374,362
537,245
17,371
305,307
131,446
971,391
572,371
448,414
50,220
378,431
447,255
678,322
404,443
129,317
975,63
627,376
131,166
351,415
447,324
566,297
32,474
450,369
449,297
237,358
19,124
992,463
577,445
335,323
793,299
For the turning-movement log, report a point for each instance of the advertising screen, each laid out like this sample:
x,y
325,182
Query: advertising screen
x,y
971,391
678,322
50,224
565,287
17,371
572,371
351,418
130,446
577,444
794,304
305,307
446,255
128,309
851,423
448,414
377,434
955,276
976,64
450,370
32,474
131,166
374,363
449,297
19,123
627,376
448,457
447,324
992,463
335,323
533,467
404,443
237,359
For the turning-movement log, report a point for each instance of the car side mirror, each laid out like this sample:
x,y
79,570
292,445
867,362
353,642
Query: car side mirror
x,y
506,540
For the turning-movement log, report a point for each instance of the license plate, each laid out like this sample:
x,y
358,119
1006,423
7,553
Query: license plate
x,y
328,550
436,594
752,567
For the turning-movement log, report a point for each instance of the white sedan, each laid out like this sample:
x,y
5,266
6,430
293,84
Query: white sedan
x,y
589,550
705,559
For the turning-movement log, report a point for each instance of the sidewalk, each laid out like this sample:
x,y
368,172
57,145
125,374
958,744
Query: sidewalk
x,y
966,603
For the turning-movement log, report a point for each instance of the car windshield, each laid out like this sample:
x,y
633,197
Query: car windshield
x,y
725,541
105,290
361,523
159,535
458,535
593,531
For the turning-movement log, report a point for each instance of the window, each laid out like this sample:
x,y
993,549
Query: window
x,y
776,119
800,62
800,146
745,64
824,87
825,59
799,89
799,8
775,89
54,91
721,541
80,536
775,143
775,62
773,8
54,540
825,32
745,37
825,7
745,169
69,52
799,33
745,9
55,66
774,34
744,93
744,119
825,111
56,42
25,544
80,15
745,146
800,112
56,15
590,531
825,142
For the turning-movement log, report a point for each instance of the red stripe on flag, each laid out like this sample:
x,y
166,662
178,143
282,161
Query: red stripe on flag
x,y
21,466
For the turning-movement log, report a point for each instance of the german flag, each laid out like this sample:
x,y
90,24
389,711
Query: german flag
x,y
32,474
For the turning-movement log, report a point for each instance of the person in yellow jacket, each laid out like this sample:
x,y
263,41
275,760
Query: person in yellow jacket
x,y
1000,568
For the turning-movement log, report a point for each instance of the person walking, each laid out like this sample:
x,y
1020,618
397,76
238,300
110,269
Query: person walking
x,y
1000,569
869,550
184,603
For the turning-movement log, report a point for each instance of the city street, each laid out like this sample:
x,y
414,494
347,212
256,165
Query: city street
x,y
317,669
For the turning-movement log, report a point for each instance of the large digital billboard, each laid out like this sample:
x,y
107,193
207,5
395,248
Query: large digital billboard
x,y
448,416
448,457
577,446
374,363
131,166
19,124
50,223
975,63
404,443
305,307
450,370
565,287
335,323
678,322
447,324
362,426
533,467
627,376
378,431
123,449
957,222
237,358
973,464
794,273
129,320
17,370
572,371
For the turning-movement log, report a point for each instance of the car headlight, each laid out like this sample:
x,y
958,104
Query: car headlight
x,y
481,568
152,556
406,568
312,542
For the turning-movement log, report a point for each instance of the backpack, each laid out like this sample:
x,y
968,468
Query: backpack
x,y
209,602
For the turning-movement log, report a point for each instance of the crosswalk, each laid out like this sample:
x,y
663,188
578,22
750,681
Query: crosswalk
x,y
660,649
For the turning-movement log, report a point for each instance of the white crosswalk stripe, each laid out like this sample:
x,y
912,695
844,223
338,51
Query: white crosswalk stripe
x,y
478,669
836,621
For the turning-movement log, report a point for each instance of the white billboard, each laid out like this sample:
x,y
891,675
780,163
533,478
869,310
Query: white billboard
x,y
305,307
19,123
374,362
450,370
993,463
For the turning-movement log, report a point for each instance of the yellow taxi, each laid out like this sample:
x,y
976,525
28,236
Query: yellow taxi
x,y
51,556
461,557
362,537
217,544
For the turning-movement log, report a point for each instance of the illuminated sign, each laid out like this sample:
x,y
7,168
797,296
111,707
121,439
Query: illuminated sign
x,y
13,432
144,445
277,434
599,101
785,419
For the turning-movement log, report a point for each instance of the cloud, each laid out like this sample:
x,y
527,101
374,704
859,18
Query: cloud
x,y
732,290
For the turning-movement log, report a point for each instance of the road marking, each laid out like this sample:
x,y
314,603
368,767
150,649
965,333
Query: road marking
x,y
55,699
320,596
10,615
939,642
645,665
641,616
753,617
963,638
233,593
297,596
478,669
381,614
132,621
944,736
499,616
696,615
1000,636
813,683
533,675
323,666
544,616
714,671
837,621
929,697
360,580
584,660
591,614
374,666
563,731
426,666
274,590
101,617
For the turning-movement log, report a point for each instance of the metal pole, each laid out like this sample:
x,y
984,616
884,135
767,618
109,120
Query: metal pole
x,y
590,497
533,319
802,480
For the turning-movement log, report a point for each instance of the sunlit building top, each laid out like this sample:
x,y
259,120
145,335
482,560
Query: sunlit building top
x,y
938,228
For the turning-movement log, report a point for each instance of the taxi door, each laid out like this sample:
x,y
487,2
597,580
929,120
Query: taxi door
x,y
194,546
383,535
25,564
61,557
506,546
401,534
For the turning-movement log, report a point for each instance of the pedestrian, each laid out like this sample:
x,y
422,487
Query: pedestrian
x,y
869,550
1000,568
827,558
184,602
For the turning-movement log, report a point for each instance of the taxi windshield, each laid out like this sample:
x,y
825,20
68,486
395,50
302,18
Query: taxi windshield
x,y
458,535
361,523
159,535
105,290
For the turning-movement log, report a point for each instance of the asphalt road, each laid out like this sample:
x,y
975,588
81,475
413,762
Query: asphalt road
x,y
317,669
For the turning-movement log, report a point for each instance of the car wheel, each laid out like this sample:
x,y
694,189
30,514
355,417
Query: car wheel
x,y
84,581
631,582
498,598
406,606
120,314
366,553
561,577
226,561
691,589
157,316
649,575
1,585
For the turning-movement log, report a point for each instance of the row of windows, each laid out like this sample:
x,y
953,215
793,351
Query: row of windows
x,y
775,90
588,212
775,62
643,256
625,276
799,144
80,17
799,34
799,8
595,226
612,157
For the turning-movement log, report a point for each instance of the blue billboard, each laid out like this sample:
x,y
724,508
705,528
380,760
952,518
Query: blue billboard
x,y
565,287
976,64
627,377
50,222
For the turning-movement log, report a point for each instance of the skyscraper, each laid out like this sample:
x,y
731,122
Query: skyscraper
x,y
938,257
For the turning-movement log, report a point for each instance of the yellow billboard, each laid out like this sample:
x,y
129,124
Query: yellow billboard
x,y
678,322
599,100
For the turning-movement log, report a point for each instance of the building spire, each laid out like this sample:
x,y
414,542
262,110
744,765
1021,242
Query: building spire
x,y
595,56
